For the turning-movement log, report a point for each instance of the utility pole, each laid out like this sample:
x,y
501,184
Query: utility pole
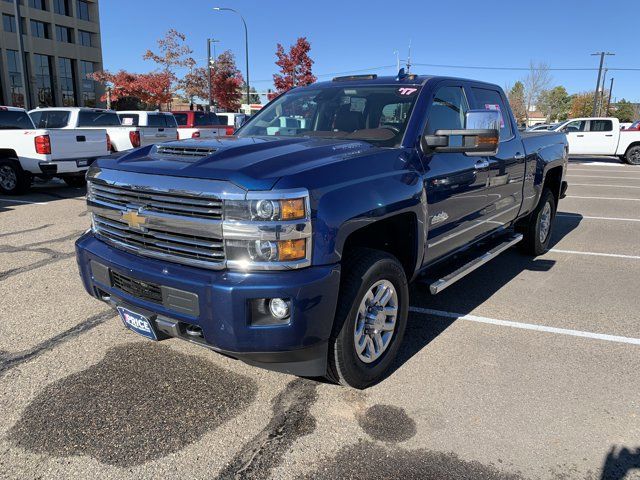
x,y
209,42
610,95
602,91
595,97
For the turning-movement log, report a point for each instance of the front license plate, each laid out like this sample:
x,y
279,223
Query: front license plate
x,y
138,323
82,163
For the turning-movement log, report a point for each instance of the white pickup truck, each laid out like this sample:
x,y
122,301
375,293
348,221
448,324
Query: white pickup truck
x,y
27,152
121,137
155,127
601,136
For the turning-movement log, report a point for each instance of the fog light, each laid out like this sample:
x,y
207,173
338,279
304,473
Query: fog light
x,y
279,308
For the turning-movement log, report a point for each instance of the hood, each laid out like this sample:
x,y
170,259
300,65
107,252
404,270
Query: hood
x,y
253,163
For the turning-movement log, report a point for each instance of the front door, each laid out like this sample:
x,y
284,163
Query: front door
x,y
507,167
578,143
455,184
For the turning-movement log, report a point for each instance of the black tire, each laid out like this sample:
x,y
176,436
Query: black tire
x,y
13,180
532,244
76,182
632,157
360,272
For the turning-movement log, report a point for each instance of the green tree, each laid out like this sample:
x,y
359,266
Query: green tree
x,y
517,102
624,111
555,103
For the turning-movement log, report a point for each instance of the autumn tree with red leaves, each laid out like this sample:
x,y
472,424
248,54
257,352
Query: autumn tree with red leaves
x,y
295,67
152,88
226,83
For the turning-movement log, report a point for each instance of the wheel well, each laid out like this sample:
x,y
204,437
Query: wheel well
x,y
634,144
553,181
396,235
7,153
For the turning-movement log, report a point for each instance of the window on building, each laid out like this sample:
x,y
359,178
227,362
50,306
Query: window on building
x,y
8,23
39,4
16,87
64,34
44,83
84,38
88,85
83,10
67,82
39,29
61,7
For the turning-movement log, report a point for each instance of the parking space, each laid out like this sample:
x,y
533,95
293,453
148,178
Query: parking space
x,y
525,369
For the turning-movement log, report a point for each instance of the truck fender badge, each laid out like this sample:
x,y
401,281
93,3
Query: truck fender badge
x,y
439,218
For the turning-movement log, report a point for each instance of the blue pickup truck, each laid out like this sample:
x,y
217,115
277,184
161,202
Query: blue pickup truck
x,y
291,244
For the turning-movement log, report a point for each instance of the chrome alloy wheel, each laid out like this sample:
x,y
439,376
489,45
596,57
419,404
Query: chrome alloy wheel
x,y
545,222
376,321
8,177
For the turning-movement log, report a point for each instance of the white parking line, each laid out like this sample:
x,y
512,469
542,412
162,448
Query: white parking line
x,y
596,254
602,185
604,198
526,326
622,177
22,201
586,217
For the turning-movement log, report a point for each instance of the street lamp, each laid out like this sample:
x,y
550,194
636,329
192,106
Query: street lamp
x,y
246,42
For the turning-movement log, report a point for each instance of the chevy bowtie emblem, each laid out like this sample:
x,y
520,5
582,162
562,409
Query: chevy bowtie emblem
x,y
134,219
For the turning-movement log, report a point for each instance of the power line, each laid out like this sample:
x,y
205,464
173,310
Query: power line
x,y
482,67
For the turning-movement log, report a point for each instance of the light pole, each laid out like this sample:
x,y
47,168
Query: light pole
x,y
610,95
595,97
209,42
246,42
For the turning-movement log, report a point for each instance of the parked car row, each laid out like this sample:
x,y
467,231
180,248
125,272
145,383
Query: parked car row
x,y
63,142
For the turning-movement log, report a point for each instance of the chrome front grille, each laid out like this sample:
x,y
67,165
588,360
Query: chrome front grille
x,y
171,218
153,201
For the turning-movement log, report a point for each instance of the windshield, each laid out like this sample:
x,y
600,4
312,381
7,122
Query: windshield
x,y
376,114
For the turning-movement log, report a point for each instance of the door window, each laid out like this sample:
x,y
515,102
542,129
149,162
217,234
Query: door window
x,y
492,100
575,126
448,110
601,126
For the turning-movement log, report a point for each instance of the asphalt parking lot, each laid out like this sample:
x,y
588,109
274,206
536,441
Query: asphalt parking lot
x,y
526,369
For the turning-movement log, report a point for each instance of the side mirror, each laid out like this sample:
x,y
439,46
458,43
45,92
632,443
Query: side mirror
x,y
481,135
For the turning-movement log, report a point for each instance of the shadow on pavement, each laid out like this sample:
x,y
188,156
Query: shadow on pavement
x,y
618,463
41,192
472,291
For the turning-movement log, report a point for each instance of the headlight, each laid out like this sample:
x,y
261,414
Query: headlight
x,y
268,232
266,209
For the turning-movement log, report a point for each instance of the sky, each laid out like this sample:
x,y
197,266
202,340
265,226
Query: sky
x,y
362,36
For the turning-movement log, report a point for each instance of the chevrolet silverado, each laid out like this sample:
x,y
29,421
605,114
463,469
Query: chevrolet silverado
x,y
291,244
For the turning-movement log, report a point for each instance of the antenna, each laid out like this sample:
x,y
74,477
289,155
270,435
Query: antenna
x,y
409,58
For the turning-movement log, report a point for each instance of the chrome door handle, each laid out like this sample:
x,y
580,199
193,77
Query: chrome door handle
x,y
579,135
608,135
482,164
519,156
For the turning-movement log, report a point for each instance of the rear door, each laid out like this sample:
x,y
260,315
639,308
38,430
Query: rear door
x,y
455,184
600,137
156,131
578,143
507,167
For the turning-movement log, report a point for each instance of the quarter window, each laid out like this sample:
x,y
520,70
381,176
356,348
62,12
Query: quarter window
x,y
492,100
448,110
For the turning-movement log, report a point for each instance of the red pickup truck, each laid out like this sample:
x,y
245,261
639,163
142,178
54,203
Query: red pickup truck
x,y
197,124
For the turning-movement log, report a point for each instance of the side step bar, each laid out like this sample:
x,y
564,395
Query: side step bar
x,y
453,277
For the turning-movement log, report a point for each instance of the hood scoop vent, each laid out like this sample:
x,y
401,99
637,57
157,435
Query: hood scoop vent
x,y
185,152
